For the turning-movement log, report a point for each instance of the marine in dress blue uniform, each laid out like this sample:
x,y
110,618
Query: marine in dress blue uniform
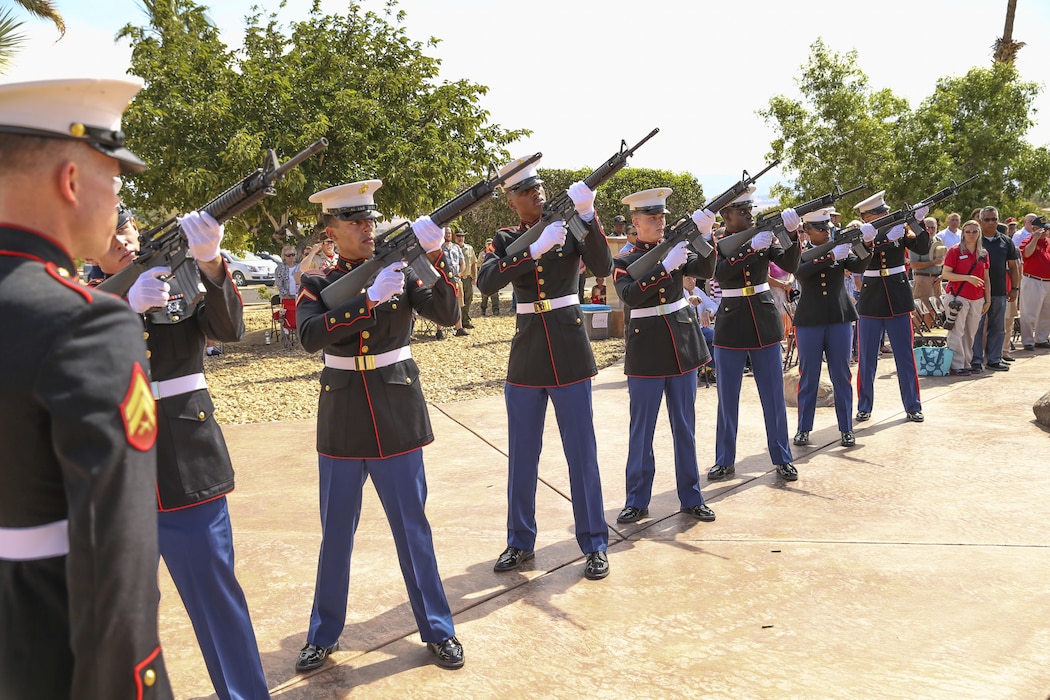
x,y
78,525
823,327
885,305
180,313
550,358
749,325
664,350
372,419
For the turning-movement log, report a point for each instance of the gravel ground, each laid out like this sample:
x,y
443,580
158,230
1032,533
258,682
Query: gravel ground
x,y
252,382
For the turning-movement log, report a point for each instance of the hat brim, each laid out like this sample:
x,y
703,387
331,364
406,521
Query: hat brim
x,y
526,184
818,224
657,209
129,162
741,205
355,216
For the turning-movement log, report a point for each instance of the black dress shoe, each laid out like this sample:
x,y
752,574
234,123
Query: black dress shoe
x,y
718,472
468,324
863,416
700,512
1007,359
597,566
802,438
630,514
449,653
1042,345
848,440
512,558
916,416
998,366
313,656
787,472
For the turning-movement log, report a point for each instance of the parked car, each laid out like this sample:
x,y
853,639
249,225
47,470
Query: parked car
x,y
275,259
248,267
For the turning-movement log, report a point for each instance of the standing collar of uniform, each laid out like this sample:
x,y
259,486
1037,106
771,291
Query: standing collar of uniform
x,y
345,264
526,225
642,245
30,243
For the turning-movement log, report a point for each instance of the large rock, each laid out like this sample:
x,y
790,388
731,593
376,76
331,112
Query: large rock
x,y
825,392
1041,409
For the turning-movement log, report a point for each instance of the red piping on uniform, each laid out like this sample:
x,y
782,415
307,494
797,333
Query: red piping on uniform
x,y
162,509
371,412
52,270
138,670
412,449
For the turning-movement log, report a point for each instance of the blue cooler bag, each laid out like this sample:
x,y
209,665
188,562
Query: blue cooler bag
x,y
933,361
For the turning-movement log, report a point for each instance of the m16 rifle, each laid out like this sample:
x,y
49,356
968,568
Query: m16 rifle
x,y
729,245
686,230
400,243
561,207
166,244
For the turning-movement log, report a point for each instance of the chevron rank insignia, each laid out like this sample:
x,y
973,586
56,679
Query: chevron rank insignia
x,y
139,411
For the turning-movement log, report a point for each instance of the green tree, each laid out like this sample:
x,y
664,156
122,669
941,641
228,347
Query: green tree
x,y
11,40
838,132
207,114
841,132
975,125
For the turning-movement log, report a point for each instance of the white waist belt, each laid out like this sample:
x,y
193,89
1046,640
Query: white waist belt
x,y
361,363
885,271
661,310
40,542
744,292
178,385
544,305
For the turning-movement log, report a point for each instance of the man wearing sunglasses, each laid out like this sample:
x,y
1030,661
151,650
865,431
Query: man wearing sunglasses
x,y
372,418
1003,262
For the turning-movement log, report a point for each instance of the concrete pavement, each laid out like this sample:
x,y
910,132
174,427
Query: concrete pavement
x,y
913,565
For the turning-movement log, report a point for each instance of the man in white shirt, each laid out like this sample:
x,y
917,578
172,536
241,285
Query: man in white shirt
x,y
951,235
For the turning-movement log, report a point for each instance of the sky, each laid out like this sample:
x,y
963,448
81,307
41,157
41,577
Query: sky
x,y
584,75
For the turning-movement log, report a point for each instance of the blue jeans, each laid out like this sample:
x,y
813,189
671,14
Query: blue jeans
x,y
995,323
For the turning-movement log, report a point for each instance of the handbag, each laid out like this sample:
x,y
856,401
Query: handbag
x,y
933,361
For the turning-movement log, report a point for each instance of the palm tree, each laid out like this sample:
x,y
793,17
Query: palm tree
x,y
1005,48
11,40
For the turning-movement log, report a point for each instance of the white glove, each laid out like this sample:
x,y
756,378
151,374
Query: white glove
x,y
869,232
389,283
582,197
149,291
840,251
896,232
791,219
204,235
704,220
553,235
430,235
676,257
762,239
922,212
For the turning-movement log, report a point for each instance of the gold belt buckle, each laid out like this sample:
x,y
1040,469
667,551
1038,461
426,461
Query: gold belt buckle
x,y
364,362
884,272
748,291
542,306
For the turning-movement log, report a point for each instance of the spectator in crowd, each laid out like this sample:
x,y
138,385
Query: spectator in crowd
x,y
632,238
598,294
951,236
704,306
965,271
1025,230
1004,279
319,256
1011,227
1035,286
835,218
454,261
488,252
926,269
619,229
286,278
468,272
781,283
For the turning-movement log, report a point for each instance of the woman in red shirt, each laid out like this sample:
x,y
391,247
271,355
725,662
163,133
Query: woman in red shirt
x,y
966,272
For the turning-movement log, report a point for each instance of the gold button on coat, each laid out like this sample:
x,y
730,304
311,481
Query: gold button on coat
x,y
149,677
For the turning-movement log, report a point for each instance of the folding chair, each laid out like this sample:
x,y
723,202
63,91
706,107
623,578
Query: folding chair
x,y
275,314
422,326
938,311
